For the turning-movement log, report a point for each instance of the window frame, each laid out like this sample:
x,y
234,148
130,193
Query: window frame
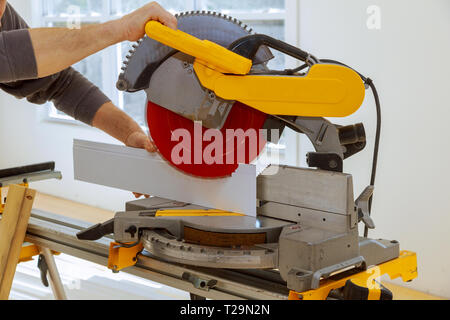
x,y
108,56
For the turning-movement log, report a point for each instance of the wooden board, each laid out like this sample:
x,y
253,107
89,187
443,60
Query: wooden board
x,y
138,171
71,209
13,228
8,224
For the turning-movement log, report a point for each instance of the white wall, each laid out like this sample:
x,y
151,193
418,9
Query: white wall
x,y
26,136
409,61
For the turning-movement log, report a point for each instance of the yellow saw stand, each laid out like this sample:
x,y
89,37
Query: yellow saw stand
x,y
15,211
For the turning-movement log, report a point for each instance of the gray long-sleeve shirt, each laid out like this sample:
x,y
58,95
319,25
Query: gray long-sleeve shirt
x,y
70,92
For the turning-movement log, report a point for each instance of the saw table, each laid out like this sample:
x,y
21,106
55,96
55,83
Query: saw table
x,y
59,234
307,241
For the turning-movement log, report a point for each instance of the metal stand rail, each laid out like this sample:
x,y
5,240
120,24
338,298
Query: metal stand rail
x,y
59,234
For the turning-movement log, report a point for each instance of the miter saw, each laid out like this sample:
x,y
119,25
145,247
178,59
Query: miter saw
x,y
214,71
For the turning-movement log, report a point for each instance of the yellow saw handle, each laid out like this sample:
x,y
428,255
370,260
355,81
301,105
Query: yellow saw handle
x,y
206,52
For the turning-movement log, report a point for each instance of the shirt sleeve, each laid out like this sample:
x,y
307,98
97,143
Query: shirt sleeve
x,y
70,92
74,95
17,60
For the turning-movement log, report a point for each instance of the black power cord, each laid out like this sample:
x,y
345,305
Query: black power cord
x,y
369,83
377,144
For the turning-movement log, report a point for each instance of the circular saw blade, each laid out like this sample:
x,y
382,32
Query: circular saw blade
x,y
199,157
141,69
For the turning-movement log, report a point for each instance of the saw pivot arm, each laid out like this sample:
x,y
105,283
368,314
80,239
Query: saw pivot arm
x,y
333,143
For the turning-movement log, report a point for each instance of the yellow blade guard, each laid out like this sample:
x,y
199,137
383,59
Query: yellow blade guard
x,y
326,91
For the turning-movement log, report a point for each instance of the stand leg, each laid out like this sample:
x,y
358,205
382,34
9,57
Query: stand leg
x,y
13,227
55,279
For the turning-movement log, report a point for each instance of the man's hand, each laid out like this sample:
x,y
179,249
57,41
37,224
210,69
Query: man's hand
x,y
56,49
140,140
133,24
119,125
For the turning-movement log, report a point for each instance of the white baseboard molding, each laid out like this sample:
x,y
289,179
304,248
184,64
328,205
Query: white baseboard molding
x,y
138,171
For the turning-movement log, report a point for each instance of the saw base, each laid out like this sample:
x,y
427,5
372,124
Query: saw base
x,y
305,236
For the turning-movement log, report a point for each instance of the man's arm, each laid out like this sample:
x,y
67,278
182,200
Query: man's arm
x,y
68,90
119,125
56,49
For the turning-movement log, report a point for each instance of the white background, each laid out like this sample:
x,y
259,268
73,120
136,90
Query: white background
x,y
409,61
